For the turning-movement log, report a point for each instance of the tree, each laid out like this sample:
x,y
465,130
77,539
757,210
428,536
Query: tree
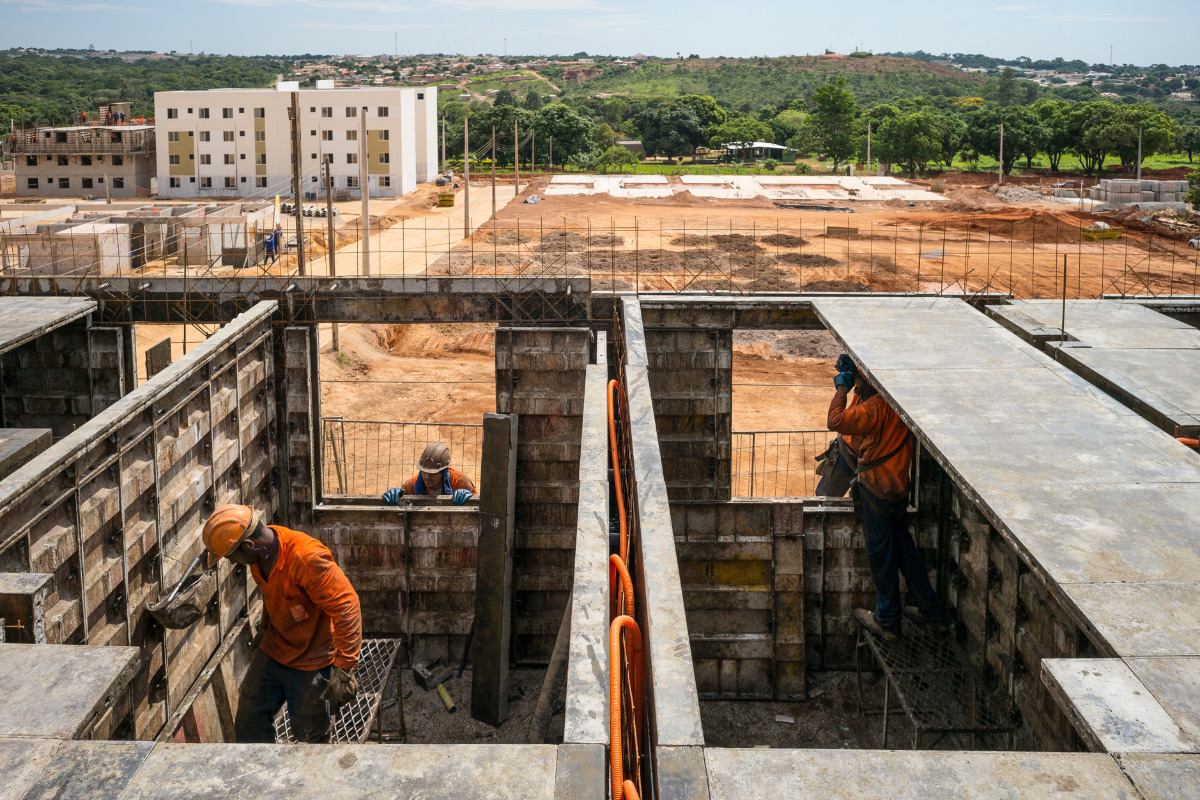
x,y
503,119
786,124
604,137
833,118
1193,195
738,131
950,133
1189,140
1089,131
910,139
571,132
1053,116
669,128
504,98
615,110
1158,133
705,108
1006,89
616,159
533,101
1022,130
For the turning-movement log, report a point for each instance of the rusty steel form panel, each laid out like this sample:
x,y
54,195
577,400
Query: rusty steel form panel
x,y
114,511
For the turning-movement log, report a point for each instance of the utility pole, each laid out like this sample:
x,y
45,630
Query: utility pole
x,y
493,174
466,181
1139,166
533,155
516,160
443,169
294,116
330,243
552,154
1000,166
364,192
868,148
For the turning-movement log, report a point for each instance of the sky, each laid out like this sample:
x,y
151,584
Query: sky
x,y
1137,32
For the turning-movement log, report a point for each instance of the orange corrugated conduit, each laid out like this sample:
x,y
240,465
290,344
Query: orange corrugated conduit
x,y
613,388
630,791
634,642
623,603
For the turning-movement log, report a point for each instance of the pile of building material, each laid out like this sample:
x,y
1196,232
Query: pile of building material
x,y
1129,191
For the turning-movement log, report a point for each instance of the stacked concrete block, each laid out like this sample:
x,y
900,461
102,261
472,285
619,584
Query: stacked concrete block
x,y
540,376
691,376
1129,191
114,511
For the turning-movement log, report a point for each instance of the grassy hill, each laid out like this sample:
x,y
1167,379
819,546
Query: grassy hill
x,y
756,82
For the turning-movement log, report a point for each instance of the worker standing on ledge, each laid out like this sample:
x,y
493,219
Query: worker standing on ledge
x,y
311,630
880,492
434,477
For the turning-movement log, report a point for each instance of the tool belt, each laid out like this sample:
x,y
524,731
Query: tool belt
x,y
841,476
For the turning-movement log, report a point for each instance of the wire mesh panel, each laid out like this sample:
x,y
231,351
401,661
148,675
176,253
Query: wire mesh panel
x,y
776,463
367,458
354,720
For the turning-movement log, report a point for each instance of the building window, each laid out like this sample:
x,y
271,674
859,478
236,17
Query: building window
x,y
189,111
260,183
118,161
192,179
226,113
242,156
173,160
326,111
229,183
383,111
204,113
241,111
243,179
205,136
31,161
64,183
229,158
260,113
31,183
352,182
312,109
314,155
260,136
383,136
227,136
206,183
172,136
261,158
172,113
63,161
351,136
312,133
385,180
86,183
420,95
385,158
85,161
205,159
242,134
174,183
351,158
327,136
118,183
351,111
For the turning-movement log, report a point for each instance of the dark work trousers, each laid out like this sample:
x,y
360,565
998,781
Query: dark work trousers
x,y
891,552
267,685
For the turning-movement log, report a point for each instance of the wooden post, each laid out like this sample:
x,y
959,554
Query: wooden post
x,y
466,180
330,244
493,175
494,568
294,116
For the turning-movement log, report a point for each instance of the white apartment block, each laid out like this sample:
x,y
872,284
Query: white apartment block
x,y
237,142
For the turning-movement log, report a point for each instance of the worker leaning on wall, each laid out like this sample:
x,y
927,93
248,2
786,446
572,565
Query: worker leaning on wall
x,y
308,644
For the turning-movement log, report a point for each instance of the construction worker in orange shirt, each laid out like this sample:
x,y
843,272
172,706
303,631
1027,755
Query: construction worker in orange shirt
x,y
434,477
311,631
880,490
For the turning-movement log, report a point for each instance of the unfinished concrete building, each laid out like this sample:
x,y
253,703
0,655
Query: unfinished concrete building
x,y
1052,502
115,160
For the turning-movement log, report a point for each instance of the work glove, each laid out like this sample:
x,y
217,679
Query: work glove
x,y
461,496
844,380
846,364
393,496
342,687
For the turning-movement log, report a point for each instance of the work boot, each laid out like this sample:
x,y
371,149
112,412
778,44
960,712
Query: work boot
x,y
936,623
866,618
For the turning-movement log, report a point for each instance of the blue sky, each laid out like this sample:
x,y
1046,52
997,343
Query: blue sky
x,y
1141,33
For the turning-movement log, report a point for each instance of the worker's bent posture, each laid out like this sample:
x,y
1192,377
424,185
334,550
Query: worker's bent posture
x,y
434,477
311,627
885,449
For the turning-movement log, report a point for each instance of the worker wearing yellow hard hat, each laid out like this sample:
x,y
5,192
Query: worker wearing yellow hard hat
x,y
311,627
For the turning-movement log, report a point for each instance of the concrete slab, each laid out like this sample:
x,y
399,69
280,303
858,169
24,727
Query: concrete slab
x,y
25,318
84,770
1111,709
1163,777
1142,619
903,775
1175,683
344,772
21,761
19,445
1103,323
54,691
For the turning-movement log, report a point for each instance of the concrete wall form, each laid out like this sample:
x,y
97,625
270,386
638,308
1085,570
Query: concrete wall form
x,y
114,510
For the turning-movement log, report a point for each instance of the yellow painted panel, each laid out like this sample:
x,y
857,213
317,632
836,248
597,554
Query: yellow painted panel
x,y
738,572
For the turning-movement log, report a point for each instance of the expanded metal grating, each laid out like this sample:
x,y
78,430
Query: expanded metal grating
x,y
938,690
354,720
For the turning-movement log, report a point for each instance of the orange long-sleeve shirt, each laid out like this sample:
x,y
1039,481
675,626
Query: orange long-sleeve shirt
x,y
310,610
457,481
876,430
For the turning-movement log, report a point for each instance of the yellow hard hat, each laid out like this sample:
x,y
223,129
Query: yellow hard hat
x,y
227,528
435,458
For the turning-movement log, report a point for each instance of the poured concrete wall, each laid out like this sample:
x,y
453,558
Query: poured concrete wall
x,y
114,512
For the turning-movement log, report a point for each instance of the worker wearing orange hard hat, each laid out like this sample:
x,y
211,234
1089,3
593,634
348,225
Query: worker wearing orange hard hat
x,y
434,477
311,630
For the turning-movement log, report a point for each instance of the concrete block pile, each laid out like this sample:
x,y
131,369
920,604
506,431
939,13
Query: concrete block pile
x,y
1127,191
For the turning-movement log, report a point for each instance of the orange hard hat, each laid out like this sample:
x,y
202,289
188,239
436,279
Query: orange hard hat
x,y
227,528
